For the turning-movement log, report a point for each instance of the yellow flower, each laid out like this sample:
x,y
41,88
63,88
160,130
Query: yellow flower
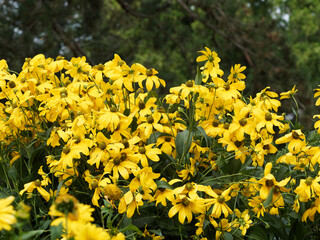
x,y
288,94
309,213
150,123
37,184
109,118
236,73
121,161
78,69
167,144
241,123
243,222
268,120
97,72
89,231
7,213
112,193
130,202
262,149
70,213
118,236
219,202
296,141
148,75
148,152
162,194
268,182
100,152
265,100
186,206
307,188
257,204
212,63
223,226
317,94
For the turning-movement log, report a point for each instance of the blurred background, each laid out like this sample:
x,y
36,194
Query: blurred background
x,y
278,40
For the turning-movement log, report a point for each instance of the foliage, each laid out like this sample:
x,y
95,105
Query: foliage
x,y
93,151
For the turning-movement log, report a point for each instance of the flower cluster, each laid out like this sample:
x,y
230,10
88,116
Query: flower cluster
x,y
204,156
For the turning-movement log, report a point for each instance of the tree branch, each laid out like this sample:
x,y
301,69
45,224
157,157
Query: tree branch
x,y
125,6
192,14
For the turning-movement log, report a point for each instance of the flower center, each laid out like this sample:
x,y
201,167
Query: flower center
x,y
149,72
266,147
221,199
167,139
142,105
66,149
268,116
116,161
150,120
37,183
189,186
113,109
295,135
102,145
189,84
269,183
309,181
123,156
142,150
243,122
185,202
238,143
125,143
215,123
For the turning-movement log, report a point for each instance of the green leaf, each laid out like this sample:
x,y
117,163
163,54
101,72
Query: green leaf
x,y
294,111
163,184
146,220
61,184
152,94
227,236
31,235
56,231
203,134
131,227
233,166
181,121
183,142
153,137
12,173
198,78
221,161
257,232
268,201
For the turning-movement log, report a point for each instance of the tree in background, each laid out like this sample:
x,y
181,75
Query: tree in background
x,y
276,40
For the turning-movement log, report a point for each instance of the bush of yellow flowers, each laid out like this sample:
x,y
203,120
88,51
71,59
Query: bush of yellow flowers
x,y
92,152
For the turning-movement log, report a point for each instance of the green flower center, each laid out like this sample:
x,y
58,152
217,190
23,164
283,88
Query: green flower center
x,y
149,72
221,199
309,181
142,150
116,161
243,122
295,135
215,123
268,116
185,202
102,145
189,84
269,183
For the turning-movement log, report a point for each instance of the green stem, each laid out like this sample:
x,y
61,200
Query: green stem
x,y
297,106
